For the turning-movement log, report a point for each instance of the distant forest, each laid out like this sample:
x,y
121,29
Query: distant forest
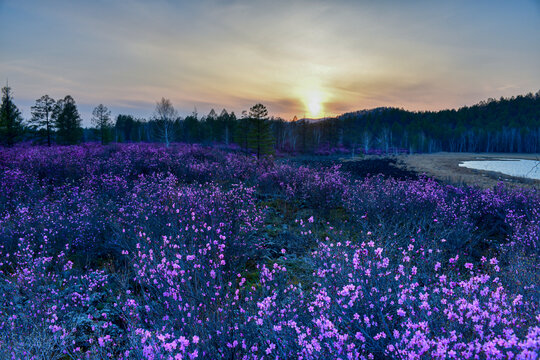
x,y
504,125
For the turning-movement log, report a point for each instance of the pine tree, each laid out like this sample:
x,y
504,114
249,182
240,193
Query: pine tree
x,y
260,138
67,121
42,116
210,124
242,131
191,128
227,124
125,125
11,126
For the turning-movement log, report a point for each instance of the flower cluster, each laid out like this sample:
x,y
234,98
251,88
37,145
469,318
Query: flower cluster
x,y
191,252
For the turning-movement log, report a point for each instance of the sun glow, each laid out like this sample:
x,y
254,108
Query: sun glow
x,y
314,105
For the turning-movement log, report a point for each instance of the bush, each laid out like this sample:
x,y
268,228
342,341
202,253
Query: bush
x,y
145,252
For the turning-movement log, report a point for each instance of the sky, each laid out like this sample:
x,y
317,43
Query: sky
x,y
306,58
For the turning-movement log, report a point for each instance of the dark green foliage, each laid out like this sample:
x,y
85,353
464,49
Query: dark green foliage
x,y
504,125
211,128
227,124
130,129
260,139
11,126
67,121
41,121
124,127
241,132
191,127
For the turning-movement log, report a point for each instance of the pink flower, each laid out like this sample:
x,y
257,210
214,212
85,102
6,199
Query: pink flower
x,y
103,340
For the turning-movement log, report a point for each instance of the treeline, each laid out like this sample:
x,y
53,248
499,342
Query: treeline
x,y
59,121
504,125
52,121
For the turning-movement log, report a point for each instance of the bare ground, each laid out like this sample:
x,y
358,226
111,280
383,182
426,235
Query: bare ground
x,y
444,166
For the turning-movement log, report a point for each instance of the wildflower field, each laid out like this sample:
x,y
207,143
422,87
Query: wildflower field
x,y
189,252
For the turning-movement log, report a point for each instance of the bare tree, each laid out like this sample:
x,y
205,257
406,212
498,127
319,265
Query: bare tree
x,y
366,141
384,139
102,120
292,137
317,136
164,117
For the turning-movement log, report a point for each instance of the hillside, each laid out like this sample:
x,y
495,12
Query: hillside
x,y
504,125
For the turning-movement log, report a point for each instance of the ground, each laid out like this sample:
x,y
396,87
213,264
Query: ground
x,y
444,166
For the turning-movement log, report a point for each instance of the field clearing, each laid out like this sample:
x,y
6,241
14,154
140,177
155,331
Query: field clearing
x,y
445,167
139,251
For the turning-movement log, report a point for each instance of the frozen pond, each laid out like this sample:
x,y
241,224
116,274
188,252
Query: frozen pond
x,y
521,168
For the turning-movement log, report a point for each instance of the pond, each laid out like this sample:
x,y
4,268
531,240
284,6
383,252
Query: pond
x,y
521,168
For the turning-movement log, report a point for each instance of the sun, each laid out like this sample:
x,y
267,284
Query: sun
x,y
314,105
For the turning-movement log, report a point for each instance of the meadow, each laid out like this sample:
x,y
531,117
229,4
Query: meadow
x,y
138,251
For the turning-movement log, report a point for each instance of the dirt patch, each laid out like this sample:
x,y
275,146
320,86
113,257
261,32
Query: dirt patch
x,y
445,167
440,166
386,166
362,167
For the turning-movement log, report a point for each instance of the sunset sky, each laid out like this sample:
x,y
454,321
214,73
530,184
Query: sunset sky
x,y
304,58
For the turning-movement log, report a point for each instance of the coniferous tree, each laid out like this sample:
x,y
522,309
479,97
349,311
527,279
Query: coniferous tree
x,y
242,132
221,126
125,126
42,113
260,139
227,124
67,121
102,120
191,128
210,124
11,126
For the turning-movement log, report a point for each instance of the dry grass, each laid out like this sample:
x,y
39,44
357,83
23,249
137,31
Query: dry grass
x,y
444,166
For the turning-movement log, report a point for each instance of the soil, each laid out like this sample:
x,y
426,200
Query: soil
x,y
360,168
385,166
